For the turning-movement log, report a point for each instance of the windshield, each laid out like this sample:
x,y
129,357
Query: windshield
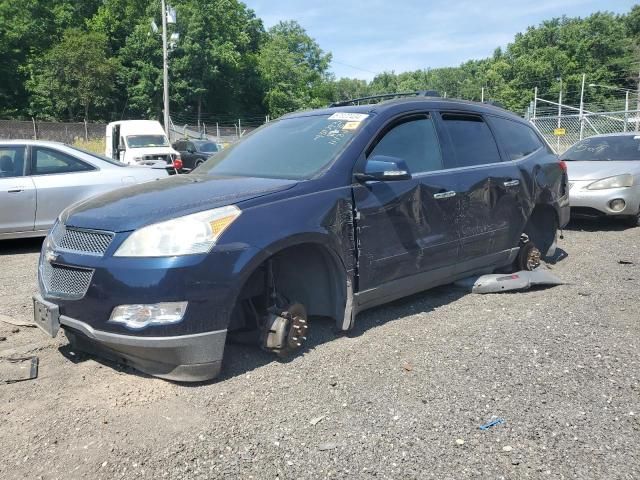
x,y
598,149
207,147
140,141
98,156
292,148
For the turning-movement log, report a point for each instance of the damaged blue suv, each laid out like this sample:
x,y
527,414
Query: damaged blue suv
x,y
320,213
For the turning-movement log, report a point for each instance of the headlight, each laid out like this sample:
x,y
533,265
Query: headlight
x,y
195,233
618,181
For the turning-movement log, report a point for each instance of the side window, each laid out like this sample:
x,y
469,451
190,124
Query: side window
x,y
518,140
413,141
191,146
11,161
471,139
47,161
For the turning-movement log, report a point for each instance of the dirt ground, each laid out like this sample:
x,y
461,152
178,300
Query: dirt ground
x,y
402,396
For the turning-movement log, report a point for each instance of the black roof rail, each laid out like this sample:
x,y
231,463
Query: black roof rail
x,y
356,101
494,103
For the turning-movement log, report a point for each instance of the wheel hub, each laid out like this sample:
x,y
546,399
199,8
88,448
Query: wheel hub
x,y
533,259
285,331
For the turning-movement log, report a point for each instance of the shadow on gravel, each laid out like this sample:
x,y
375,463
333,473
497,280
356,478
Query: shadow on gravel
x,y
241,359
20,245
606,224
559,256
76,356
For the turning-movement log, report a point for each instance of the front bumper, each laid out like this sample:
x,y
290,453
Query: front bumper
x,y
584,201
184,358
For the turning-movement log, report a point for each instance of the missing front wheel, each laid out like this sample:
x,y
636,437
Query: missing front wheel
x,y
285,330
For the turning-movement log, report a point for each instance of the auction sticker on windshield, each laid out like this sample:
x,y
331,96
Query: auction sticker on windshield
x,y
349,117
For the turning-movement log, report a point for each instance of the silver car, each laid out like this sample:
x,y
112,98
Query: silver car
x,y
39,179
604,176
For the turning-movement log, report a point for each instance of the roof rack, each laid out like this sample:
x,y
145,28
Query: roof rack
x,y
494,103
356,101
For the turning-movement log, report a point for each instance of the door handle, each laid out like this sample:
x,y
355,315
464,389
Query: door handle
x,y
15,190
441,195
511,183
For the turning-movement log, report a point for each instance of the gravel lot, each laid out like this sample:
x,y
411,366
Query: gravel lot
x,y
401,397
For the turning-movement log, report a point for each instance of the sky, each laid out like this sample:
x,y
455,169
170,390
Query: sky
x,y
367,37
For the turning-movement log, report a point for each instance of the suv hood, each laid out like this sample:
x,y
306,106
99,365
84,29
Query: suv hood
x,y
133,207
592,170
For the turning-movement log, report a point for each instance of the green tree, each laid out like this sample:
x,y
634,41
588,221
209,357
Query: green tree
x,y
72,76
294,70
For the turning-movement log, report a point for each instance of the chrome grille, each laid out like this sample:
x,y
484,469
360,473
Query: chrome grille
x,y
63,281
85,241
165,158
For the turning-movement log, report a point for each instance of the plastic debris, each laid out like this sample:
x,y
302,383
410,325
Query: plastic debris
x,y
14,322
492,423
315,421
18,369
497,282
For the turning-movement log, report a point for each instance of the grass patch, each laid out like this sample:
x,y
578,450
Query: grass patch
x,y
95,145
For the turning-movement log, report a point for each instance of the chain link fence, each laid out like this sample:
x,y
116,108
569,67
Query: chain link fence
x,y
65,132
575,127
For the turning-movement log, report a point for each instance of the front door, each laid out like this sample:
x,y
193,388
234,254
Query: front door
x,y
406,227
17,191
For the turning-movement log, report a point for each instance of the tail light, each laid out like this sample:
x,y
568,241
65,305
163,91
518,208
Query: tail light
x,y
563,165
177,163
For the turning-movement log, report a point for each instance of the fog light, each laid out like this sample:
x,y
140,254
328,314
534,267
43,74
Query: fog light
x,y
137,317
617,205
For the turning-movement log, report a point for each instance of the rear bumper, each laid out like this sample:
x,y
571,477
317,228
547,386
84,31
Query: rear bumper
x,y
564,211
185,358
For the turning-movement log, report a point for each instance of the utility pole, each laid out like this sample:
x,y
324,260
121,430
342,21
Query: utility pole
x,y
582,106
535,102
165,69
560,115
482,95
638,103
626,109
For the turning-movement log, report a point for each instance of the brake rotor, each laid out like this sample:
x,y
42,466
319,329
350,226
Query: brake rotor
x,y
285,331
533,258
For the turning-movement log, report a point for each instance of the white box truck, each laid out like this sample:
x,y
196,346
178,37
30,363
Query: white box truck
x,y
139,142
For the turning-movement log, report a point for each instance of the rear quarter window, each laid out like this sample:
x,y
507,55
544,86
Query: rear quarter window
x,y
517,140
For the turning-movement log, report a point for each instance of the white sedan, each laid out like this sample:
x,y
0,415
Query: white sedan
x,y
39,179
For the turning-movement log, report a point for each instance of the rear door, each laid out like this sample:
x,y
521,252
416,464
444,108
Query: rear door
x,y
406,227
488,189
60,180
17,191
520,147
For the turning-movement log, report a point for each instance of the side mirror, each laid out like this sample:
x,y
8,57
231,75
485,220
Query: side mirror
x,y
384,168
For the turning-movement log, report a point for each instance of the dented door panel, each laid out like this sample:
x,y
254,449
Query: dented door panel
x,y
403,230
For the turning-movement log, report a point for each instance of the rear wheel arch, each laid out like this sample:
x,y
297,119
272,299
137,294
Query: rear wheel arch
x,y
541,227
